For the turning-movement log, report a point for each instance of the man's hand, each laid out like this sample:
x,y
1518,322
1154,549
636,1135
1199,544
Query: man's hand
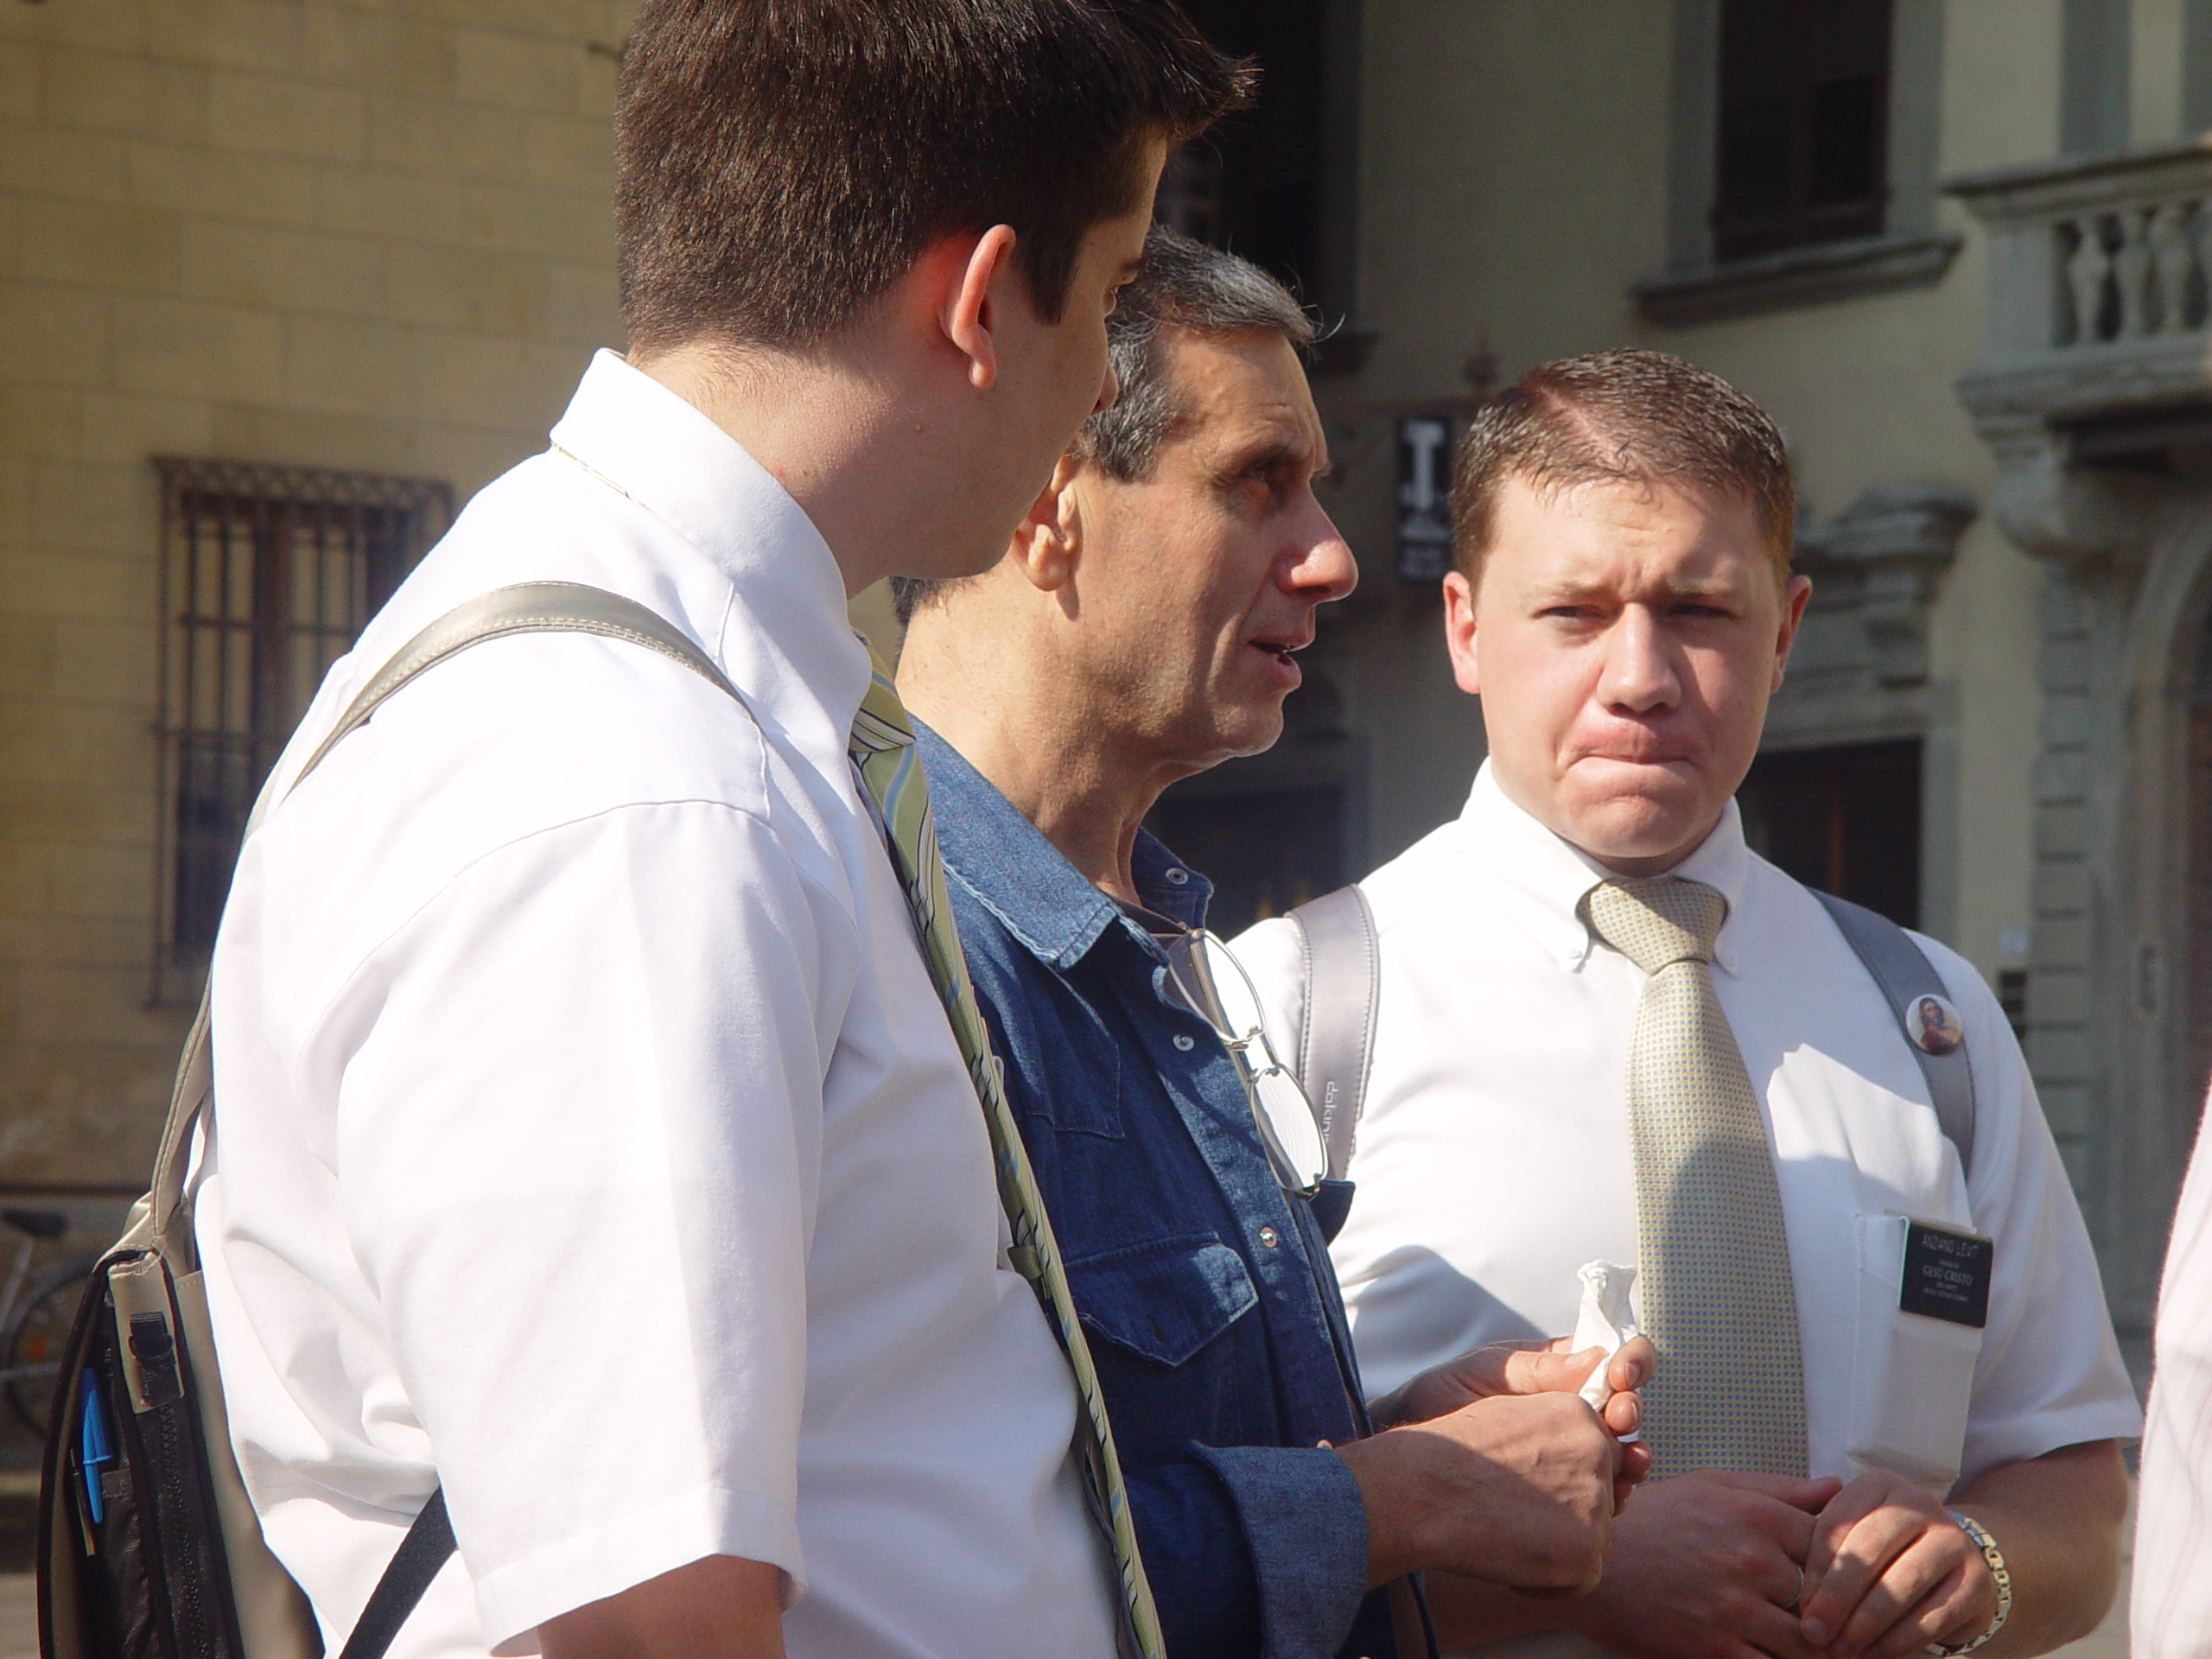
x,y
2056,1517
1706,1565
1501,1368
1889,1573
1508,1368
1517,1490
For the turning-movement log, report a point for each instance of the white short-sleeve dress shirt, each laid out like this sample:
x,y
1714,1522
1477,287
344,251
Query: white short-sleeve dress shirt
x,y
2169,1616
589,1136
1493,1156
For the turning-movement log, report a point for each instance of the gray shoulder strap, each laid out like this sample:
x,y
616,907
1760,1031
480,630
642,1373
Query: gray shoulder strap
x,y
1335,1038
525,607
1902,971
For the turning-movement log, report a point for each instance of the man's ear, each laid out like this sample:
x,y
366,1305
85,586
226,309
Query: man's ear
x,y
1459,632
1793,611
1048,545
968,312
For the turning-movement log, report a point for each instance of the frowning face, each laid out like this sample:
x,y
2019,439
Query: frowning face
x,y
1625,640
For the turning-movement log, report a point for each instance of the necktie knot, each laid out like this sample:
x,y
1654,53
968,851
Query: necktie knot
x,y
1657,922
881,724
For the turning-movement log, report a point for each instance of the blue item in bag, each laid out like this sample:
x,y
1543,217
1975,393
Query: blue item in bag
x,y
94,1445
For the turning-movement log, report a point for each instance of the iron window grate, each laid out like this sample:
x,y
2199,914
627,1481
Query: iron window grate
x,y
268,576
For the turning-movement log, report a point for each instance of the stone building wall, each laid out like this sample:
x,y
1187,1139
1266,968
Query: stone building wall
x,y
370,236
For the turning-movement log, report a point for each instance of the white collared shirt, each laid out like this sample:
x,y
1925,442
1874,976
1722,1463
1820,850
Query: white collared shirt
x,y
2169,1616
590,1137
1493,1157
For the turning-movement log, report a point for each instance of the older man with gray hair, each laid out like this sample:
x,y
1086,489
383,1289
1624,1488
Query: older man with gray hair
x,y
1141,627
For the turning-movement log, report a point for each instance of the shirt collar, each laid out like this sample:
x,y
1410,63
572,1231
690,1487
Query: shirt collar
x,y
1542,878
643,441
1025,882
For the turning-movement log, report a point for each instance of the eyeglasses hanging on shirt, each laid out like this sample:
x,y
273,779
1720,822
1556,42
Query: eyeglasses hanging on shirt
x,y
1289,1127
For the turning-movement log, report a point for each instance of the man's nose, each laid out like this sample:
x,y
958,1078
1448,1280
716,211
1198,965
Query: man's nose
x,y
1325,569
1640,675
1109,389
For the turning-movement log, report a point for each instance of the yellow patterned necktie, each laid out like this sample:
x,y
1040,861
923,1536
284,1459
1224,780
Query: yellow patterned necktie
x,y
1713,1285
891,778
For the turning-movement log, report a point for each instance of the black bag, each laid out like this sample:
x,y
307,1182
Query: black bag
x,y
147,1546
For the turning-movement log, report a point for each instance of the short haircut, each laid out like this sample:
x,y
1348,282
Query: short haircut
x,y
1621,417
1184,285
779,163
1199,290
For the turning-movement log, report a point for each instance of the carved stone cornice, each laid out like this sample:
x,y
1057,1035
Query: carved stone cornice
x,y
1880,558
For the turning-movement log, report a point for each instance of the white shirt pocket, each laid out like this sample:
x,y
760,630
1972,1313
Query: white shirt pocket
x,y
1912,1371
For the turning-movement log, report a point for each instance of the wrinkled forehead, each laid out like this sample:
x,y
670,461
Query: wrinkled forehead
x,y
1635,534
1238,391
1625,536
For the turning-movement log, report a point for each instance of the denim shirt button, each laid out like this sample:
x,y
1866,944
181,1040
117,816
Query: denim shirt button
x,y
1178,877
1269,1237
1185,1042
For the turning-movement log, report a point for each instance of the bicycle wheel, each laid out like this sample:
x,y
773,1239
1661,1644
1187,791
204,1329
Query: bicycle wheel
x,y
33,1344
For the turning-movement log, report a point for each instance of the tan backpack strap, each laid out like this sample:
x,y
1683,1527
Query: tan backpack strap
x,y
194,1077
524,607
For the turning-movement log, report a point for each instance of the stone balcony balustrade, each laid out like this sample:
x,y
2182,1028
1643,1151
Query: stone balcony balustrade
x,y
2094,393
2099,283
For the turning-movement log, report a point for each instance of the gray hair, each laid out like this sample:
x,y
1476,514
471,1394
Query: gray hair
x,y
1184,285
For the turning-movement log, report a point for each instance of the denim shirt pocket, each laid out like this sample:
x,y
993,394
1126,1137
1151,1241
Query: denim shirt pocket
x,y
1070,1048
1165,1300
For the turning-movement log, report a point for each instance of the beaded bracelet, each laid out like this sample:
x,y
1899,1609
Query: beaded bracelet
x,y
1995,1557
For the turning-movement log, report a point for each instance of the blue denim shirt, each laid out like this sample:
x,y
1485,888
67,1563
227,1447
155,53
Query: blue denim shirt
x,y
1206,1289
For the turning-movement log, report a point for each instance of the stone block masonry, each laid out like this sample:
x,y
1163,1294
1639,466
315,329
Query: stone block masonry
x,y
331,233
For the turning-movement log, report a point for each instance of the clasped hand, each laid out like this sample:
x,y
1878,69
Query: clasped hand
x,y
1722,1565
1490,1466
1889,1572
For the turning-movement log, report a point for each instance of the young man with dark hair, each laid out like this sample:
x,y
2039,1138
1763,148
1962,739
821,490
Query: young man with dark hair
x,y
1141,629
595,1142
1606,1031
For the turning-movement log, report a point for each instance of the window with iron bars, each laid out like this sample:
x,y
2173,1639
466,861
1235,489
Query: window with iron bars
x,y
268,575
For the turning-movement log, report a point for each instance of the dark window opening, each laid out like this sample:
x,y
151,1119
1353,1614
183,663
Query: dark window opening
x,y
1265,851
2012,998
1803,123
269,574
1846,820
1255,184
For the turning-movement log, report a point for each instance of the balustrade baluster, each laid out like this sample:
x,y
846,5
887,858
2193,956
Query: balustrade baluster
x,y
2172,259
2131,267
2087,270
2200,245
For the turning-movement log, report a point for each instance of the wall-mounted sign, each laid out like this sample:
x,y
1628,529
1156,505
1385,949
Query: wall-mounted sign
x,y
1424,497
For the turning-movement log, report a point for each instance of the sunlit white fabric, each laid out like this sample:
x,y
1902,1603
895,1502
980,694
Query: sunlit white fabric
x,y
590,1136
2171,1614
1493,1157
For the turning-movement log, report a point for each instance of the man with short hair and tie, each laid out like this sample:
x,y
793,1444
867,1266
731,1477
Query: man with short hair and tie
x,y
1143,627
1888,1398
607,1154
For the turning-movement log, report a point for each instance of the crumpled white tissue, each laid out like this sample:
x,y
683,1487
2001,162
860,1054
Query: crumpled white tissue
x,y
1606,1319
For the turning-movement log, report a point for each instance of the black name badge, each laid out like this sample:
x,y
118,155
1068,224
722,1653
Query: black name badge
x,y
1946,1275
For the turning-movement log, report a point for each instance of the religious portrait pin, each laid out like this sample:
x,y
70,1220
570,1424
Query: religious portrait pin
x,y
1934,1024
